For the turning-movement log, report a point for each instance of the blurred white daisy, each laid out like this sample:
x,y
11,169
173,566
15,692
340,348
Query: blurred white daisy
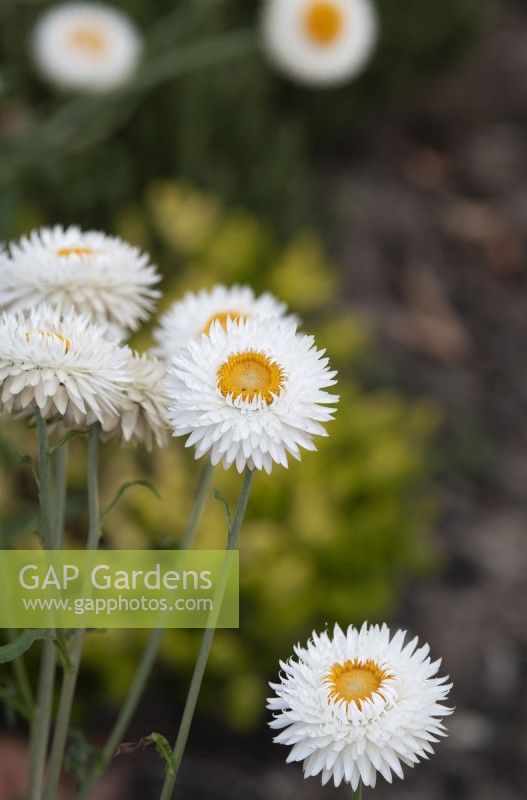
x,y
320,42
88,47
86,271
250,393
359,703
143,419
66,366
196,313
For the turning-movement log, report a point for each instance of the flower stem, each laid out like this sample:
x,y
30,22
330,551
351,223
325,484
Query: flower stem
x,y
59,465
42,722
69,680
203,655
150,652
46,681
357,794
43,482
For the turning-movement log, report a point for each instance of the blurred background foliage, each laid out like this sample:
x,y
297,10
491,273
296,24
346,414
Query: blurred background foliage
x,y
332,538
212,171
237,129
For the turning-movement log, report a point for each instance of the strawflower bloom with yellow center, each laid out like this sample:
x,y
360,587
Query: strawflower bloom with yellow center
x,y
320,42
358,703
196,313
251,393
89,47
70,368
87,271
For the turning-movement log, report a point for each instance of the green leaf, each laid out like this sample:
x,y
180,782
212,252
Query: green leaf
x,y
10,696
63,654
65,439
8,652
165,751
220,498
124,488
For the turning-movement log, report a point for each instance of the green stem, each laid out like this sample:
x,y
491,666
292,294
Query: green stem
x,y
200,499
43,482
151,650
203,655
42,722
46,682
69,680
59,465
357,794
94,514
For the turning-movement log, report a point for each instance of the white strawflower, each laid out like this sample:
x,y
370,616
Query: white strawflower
x,y
86,271
195,314
359,703
66,366
250,393
88,47
143,419
320,42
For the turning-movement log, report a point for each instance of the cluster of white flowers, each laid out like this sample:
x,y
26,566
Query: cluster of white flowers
x,y
68,300
229,370
234,374
94,47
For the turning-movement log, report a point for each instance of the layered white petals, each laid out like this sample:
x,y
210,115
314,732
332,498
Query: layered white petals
x,y
250,433
89,47
348,742
68,367
189,317
334,57
143,419
86,271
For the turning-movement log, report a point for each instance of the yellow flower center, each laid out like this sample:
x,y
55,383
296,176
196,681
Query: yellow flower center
x,y
64,252
355,681
323,22
91,40
250,374
222,318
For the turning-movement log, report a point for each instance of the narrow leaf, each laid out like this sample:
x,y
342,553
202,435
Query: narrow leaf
x,y
124,488
8,652
63,654
165,751
67,436
220,498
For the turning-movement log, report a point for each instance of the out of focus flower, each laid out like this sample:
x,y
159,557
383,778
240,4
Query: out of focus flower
x,y
320,42
66,366
86,271
250,392
88,47
359,703
195,314
143,418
